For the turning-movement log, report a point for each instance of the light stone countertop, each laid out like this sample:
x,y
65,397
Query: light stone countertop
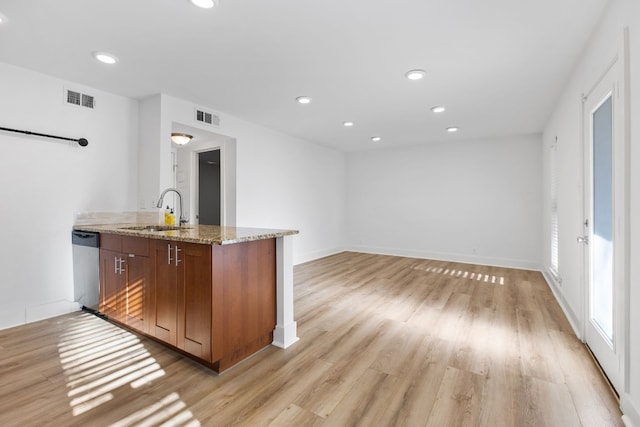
x,y
204,234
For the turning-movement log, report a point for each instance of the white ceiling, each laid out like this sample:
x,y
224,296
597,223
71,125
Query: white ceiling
x,y
497,65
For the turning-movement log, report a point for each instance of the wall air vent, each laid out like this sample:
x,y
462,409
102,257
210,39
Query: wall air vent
x,y
73,97
87,101
81,99
207,117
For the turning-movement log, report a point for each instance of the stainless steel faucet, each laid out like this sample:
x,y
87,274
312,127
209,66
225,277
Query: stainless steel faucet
x,y
182,219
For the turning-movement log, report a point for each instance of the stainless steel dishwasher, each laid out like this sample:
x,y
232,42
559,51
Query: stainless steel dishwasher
x,y
86,268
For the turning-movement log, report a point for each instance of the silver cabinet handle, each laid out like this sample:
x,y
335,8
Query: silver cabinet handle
x,y
583,239
117,265
177,260
169,259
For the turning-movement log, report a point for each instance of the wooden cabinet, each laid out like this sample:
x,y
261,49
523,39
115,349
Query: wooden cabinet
x,y
215,303
181,296
244,300
124,271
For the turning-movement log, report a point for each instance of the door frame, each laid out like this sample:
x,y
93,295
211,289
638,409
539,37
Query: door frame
x,y
620,189
187,164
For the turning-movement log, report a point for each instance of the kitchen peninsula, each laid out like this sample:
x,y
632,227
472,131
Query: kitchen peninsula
x,y
217,294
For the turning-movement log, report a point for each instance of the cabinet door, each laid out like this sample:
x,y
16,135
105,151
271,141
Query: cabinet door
x,y
134,304
163,297
111,284
194,299
137,274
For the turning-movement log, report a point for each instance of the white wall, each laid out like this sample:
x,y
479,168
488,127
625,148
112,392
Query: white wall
x,y
472,201
43,183
286,183
281,181
148,169
565,123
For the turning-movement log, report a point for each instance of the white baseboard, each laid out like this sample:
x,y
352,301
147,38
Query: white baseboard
x,y
24,315
574,320
631,411
285,336
11,317
302,258
465,259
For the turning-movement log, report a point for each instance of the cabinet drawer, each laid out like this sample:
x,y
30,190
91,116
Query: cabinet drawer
x,y
135,245
125,244
111,242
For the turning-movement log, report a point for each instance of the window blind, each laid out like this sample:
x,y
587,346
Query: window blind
x,y
554,208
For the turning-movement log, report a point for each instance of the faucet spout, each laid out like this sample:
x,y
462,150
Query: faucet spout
x,y
182,220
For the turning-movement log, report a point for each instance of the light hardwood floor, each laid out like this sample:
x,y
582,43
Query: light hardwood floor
x,y
383,341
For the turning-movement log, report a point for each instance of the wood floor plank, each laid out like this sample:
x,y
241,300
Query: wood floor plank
x,y
321,398
293,415
415,390
459,398
594,402
542,403
364,403
384,341
501,394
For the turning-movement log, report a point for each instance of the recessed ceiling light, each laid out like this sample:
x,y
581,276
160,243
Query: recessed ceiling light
x,y
376,138
348,124
453,129
3,19
438,109
303,99
105,58
205,4
415,74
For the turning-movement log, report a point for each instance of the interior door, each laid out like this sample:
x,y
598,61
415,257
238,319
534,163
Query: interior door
x,y
603,225
209,187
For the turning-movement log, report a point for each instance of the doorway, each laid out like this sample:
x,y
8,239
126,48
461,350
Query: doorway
x,y
209,194
604,224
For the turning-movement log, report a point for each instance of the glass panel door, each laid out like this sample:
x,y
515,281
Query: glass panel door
x,y
604,238
601,309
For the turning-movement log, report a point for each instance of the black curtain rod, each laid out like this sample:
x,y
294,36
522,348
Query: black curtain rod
x,y
81,141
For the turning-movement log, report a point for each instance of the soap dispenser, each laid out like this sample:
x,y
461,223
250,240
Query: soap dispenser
x,y
167,219
172,218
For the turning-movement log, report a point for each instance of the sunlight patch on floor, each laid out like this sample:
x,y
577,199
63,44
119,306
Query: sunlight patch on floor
x,y
480,277
99,360
169,410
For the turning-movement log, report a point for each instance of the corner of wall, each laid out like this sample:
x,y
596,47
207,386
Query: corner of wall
x,y
574,320
448,257
631,417
306,257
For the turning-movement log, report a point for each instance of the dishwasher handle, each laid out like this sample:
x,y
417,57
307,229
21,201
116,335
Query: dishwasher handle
x,y
85,238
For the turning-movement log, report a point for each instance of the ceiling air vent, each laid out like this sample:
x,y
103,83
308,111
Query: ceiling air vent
x,y
206,117
82,99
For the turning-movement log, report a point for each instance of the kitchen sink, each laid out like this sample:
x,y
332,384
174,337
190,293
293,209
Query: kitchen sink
x,y
157,228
